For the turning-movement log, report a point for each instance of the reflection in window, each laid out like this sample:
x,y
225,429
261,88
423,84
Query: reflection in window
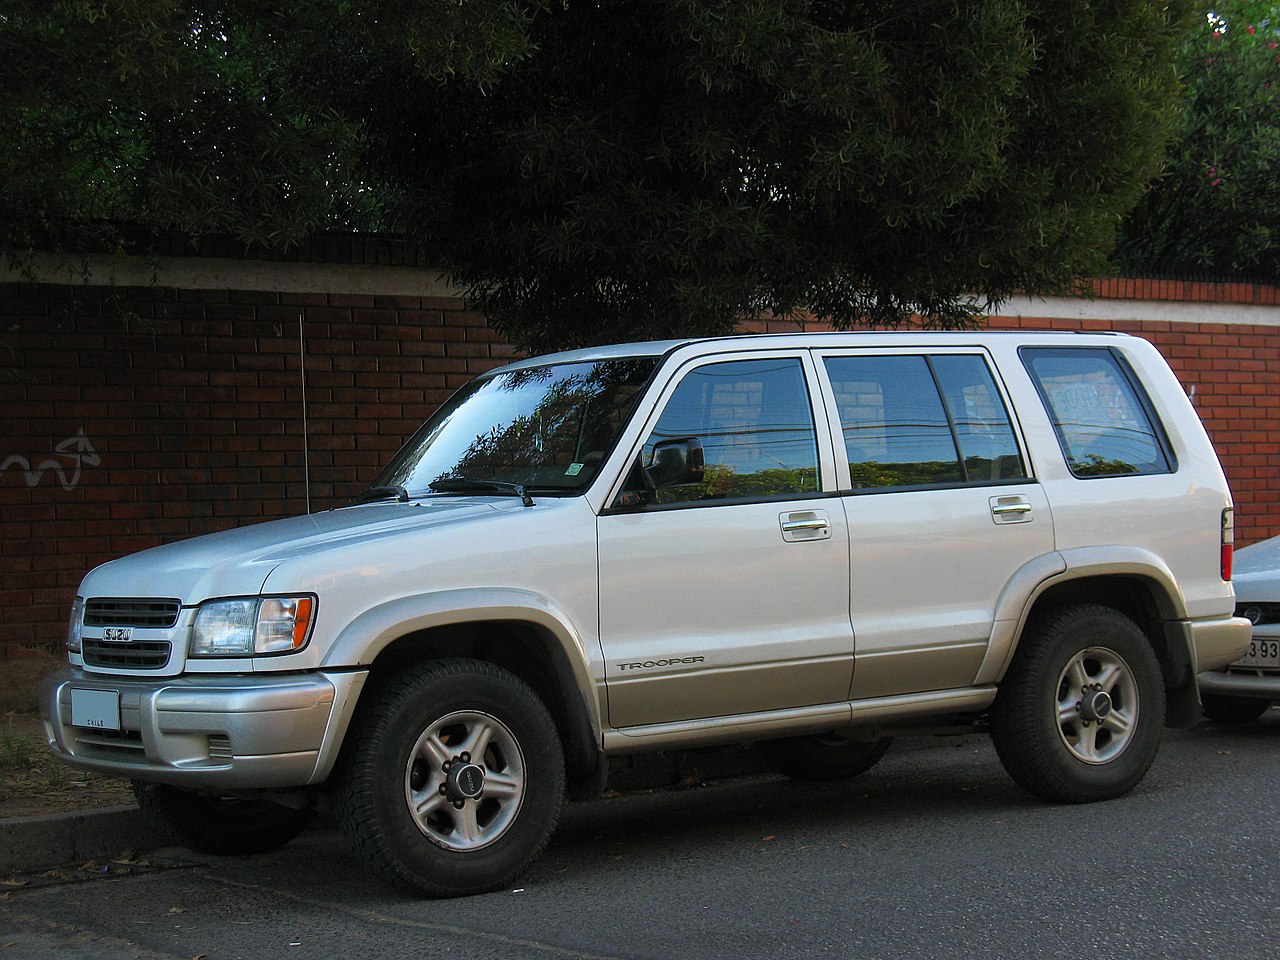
x,y
1102,425
988,448
911,421
756,427
546,427
895,428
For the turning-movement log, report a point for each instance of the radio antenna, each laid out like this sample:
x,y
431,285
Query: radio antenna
x,y
306,450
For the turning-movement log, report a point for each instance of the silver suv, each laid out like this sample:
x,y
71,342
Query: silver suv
x,y
811,542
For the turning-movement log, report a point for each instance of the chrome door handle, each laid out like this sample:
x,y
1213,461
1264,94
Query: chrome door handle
x,y
805,525
1007,508
1011,510
793,525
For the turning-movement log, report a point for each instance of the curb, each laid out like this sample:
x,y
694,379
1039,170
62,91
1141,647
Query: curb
x,y
28,843
56,839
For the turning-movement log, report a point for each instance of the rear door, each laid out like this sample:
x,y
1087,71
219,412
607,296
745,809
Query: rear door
x,y
942,511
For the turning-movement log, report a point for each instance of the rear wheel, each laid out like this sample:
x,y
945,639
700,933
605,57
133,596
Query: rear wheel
x,y
824,756
1233,709
453,779
224,825
1080,712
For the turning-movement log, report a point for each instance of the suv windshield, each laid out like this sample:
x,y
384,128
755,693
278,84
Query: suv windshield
x,y
546,428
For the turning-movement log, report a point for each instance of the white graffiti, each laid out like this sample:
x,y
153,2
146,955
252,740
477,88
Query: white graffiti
x,y
76,449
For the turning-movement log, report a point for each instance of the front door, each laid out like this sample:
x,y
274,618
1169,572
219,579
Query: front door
x,y
731,595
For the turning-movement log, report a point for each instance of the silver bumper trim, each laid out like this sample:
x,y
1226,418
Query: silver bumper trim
x,y
242,732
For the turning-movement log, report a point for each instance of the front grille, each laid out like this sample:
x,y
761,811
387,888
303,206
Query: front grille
x,y
1261,614
139,655
131,613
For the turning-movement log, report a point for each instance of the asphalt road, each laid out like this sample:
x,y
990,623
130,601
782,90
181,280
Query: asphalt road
x,y
935,853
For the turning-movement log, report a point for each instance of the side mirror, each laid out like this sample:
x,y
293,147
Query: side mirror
x,y
675,463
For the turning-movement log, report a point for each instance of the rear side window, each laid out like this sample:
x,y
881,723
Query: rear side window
x,y
916,421
1104,420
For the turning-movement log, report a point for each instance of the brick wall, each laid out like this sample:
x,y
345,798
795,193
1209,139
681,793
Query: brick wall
x,y
131,417
135,415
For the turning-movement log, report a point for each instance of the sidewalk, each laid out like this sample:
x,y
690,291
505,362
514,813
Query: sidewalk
x,y
35,843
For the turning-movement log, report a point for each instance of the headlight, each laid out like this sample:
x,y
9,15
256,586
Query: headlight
x,y
73,628
244,627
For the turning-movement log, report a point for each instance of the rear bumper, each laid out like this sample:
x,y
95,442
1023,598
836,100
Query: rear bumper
x,y
229,732
1219,642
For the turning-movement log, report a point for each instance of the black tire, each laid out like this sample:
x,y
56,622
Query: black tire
x,y
1233,709
430,820
1074,665
227,826
819,757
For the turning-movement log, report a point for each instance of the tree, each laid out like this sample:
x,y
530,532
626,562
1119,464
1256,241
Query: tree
x,y
1216,208
665,168
598,171
210,117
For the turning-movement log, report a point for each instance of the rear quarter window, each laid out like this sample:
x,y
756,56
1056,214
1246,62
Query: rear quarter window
x,y
1105,423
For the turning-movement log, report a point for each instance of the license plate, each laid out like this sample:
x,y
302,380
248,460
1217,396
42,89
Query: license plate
x,y
1264,653
96,709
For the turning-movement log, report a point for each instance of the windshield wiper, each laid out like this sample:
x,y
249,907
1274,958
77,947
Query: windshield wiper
x,y
462,484
392,492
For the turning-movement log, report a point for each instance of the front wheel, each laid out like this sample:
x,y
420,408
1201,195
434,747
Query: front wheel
x,y
223,825
1080,712
453,779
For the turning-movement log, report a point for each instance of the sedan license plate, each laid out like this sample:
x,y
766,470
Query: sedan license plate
x,y
1264,654
96,709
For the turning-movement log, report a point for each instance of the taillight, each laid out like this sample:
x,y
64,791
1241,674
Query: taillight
x,y
1228,541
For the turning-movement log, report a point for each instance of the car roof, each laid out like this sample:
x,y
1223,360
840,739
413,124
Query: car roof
x,y
659,348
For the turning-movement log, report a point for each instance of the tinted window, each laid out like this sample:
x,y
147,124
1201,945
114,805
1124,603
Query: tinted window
x,y
547,427
895,427
1101,416
916,421
756,427
988,448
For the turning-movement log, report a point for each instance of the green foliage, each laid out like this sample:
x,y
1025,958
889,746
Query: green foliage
x,y
1216,209
211,117
18,752
1094,465
721,482
667,168
599,171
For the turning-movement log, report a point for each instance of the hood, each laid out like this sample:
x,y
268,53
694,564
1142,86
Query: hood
x,y
1256,572
237,562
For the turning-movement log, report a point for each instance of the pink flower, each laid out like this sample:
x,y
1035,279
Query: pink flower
x,y
1213,170
1216,183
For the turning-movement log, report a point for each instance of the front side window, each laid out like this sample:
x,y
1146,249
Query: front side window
x,y
548,428
1102,419
917,421
755,423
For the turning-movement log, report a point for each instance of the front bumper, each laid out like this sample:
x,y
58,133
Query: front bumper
x,y
226,732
